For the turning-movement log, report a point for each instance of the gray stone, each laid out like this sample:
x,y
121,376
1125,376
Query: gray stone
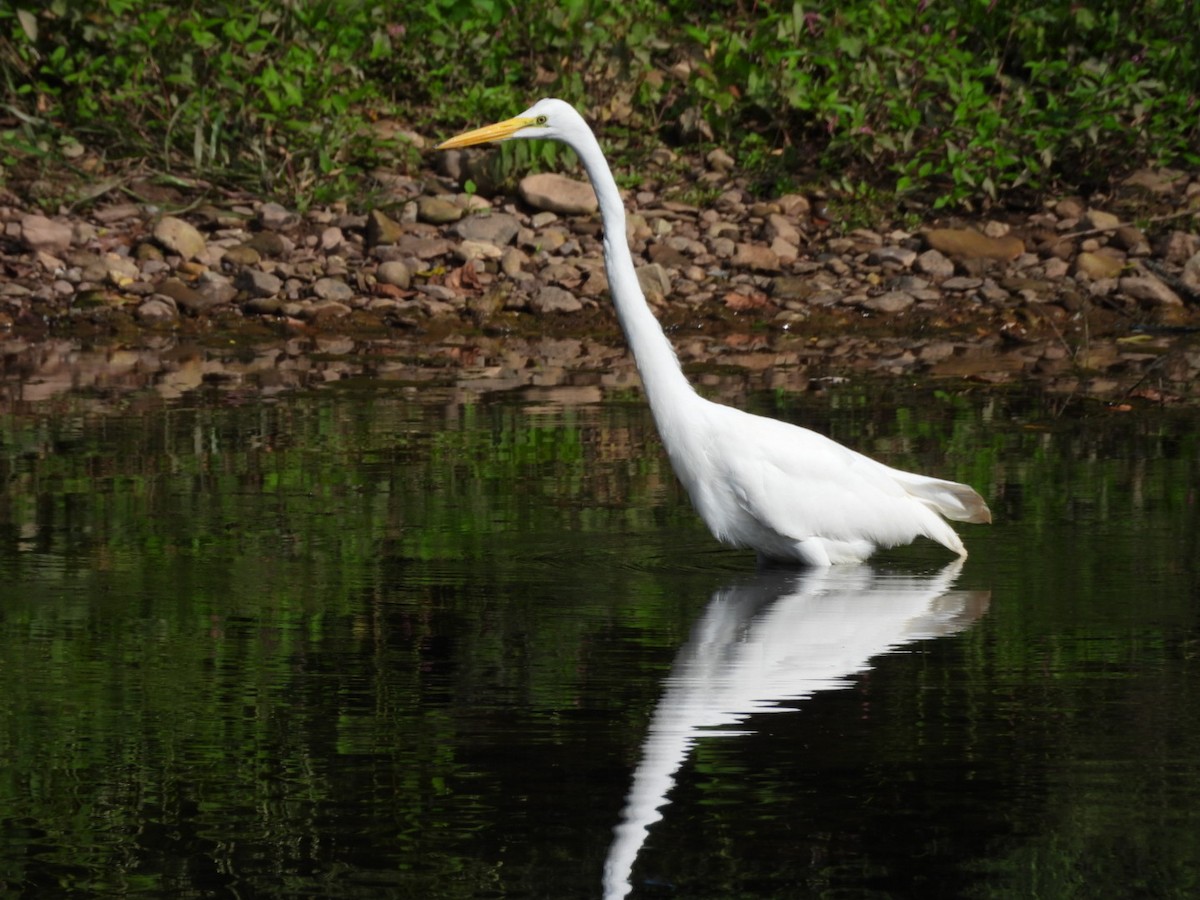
x,y
898,256
934,263
46,235
550,299
1100,220
394,273
216,288
179,237
654,281
891,302
332,289
275,217
756,257
438,210
497,228
257,283
157,309
1098,266
559,194
1148,289
382,229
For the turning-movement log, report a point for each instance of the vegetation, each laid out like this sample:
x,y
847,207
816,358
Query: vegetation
x,y
959,104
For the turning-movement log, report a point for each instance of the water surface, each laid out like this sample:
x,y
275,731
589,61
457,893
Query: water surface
x,y
381,639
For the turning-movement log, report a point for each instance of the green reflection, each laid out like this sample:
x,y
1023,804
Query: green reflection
x,y
374,642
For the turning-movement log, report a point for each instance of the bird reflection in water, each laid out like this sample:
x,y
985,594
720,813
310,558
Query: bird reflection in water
x,y
759,646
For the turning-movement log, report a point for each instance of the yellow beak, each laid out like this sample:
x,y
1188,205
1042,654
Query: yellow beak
x,y
497,132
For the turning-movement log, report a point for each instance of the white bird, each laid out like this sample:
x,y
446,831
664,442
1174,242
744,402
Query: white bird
x,y
789,493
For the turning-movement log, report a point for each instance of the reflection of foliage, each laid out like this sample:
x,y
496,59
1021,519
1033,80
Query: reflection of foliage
x,y
210,609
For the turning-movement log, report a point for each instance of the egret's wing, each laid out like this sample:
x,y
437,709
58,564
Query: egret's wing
x,y
800,484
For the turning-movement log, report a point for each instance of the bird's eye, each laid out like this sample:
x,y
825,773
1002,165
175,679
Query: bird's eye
x,y
542,120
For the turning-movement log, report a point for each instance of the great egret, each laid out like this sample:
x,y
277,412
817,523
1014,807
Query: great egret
x,y
789,493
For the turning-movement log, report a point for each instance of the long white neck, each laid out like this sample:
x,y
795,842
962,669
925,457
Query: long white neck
x,y
662,378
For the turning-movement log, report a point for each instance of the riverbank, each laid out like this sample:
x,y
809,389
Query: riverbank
x,y
1097,296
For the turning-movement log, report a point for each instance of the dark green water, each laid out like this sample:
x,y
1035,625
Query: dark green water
x,y
384,642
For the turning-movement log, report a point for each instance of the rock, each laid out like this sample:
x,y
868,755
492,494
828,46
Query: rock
x,y
1099,220
719,160
654,280
257,283
962,283
963,243
179,237
550,299
216,288
331,238
438,210
897,256
1149,290
1178,247
512,262
395,273
1056,268
146,251
665,255
498,228
327,309
781,227
241,255
1131,240
332,289
1190,276
469,250
157,309
381,229
39,233
891,302
934,264
119,271
1069,208
795,206
559,194
785,252
424,247
275,217
186,298
755,257
1098,266
269,244
263,306
1157,181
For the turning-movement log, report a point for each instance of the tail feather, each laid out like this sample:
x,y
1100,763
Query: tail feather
x,y
955,501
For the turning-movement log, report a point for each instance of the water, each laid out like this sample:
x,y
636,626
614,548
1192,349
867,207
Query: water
x,y
385,640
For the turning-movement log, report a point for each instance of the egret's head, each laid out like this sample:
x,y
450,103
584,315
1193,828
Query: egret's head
x,y
548,119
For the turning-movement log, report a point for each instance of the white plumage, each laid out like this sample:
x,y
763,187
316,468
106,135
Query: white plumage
x,y
789,493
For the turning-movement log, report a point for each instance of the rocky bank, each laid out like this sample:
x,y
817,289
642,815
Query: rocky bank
x,y
1097,296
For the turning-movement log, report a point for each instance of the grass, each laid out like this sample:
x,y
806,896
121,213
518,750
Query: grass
x,y
944,105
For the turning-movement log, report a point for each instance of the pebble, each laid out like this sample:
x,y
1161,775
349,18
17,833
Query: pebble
x,y
1148,289
257,283
45,235
550,299
332,289
499,229
395,273
891,302
157,309
438,210
558,193
179,237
